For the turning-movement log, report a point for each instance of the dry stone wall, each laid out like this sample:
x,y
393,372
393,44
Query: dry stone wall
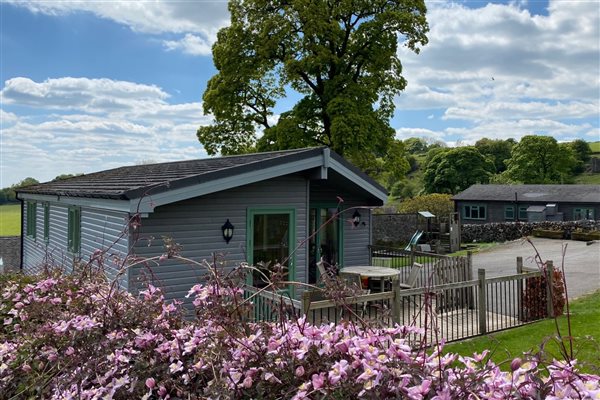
x,y
10,251
501,232
393,229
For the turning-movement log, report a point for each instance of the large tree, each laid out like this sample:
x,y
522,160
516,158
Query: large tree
x,y
540,159
340,57
497,150
454,170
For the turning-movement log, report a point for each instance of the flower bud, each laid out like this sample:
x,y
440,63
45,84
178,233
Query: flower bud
x,y
150,383
515,364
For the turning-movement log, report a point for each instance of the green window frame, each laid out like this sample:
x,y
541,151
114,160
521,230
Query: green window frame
x,y
31,219
46,222
583,213
509,213
523,213
291,212
74,230
316,239
475,211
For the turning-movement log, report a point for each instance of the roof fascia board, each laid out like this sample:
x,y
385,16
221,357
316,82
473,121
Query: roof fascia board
x,y
88,202
148,203
360,181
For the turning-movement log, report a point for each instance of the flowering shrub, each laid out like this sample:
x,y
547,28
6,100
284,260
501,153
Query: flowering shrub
x,y
65,337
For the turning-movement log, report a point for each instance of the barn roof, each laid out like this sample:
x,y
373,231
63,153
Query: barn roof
x,y
533,193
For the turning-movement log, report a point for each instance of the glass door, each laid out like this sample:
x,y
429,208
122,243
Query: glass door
x,y
327,242
270,240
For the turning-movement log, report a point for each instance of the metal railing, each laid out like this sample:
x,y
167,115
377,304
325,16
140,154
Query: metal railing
x,y
437,269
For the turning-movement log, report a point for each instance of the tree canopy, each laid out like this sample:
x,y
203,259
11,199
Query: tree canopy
x,y
8,194
341,57
454,170
436,203
497,150
540,159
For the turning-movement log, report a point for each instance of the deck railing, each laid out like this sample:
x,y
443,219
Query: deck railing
x,y
437,269
452,311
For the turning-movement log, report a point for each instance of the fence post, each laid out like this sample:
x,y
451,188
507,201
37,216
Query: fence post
x,y
305,302
549,283
396,302
481,302
412,254
469,277
520,288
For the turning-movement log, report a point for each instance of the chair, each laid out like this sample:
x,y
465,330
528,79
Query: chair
x,y
410,283
326,274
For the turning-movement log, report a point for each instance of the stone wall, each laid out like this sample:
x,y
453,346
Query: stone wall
x,y
503,231
10,251
393,229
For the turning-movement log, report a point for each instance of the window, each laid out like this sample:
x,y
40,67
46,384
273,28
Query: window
x,y
74,230
46,222
474,212
583,213
31,218
523,213
509,212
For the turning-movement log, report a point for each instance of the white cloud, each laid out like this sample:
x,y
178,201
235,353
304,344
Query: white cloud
x,y
85,125
199,22
91,95
499,65
190,44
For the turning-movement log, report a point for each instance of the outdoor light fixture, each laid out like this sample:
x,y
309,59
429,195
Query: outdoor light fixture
x,y
356,218
227,229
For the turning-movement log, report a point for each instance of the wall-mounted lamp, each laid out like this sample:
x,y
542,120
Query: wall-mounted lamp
x,y
227,229
356,218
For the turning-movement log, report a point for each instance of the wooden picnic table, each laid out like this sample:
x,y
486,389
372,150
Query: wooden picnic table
x,y
374,272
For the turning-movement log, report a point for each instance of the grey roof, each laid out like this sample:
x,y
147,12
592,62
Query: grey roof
x,y
532,193
134,181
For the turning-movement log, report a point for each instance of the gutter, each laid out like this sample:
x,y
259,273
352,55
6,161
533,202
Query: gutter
x,y
22,242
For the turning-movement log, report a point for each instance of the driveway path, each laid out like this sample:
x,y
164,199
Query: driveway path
x,y
582,262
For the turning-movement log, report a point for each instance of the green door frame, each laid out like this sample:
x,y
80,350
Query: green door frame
x,y
291,212
340,226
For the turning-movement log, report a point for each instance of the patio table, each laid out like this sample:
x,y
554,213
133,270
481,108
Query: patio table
x,y
372,271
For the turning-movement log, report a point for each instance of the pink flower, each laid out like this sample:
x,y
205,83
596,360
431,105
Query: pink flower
x,y
300,371
247,383
318,381
150,383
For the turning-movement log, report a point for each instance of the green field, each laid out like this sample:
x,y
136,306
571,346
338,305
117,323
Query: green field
x,y
587,179
10,220
585,314
595,146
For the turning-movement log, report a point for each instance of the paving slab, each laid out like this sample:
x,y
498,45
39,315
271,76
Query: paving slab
x,y
581,261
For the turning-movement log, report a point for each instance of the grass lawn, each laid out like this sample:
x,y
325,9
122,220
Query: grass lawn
x,y
10,220
588,179
585,326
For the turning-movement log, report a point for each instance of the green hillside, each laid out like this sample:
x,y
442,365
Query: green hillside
x,y
10,220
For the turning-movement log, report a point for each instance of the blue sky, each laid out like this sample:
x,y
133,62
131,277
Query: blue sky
x,y
87,85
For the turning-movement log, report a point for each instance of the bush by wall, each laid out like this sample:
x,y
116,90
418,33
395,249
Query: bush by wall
x,y
505,231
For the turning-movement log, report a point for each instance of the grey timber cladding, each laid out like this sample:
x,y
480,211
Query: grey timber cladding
x,y
356,239
100,229
196,225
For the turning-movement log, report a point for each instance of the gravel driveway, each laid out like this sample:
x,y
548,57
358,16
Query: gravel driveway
x,y
582,262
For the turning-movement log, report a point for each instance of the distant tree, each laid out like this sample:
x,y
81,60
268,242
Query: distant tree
x,y
540,159
62,177
25,182
498,150
341,57
387,169
8,194
432,152
582,150
436,203
415,146
456,169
